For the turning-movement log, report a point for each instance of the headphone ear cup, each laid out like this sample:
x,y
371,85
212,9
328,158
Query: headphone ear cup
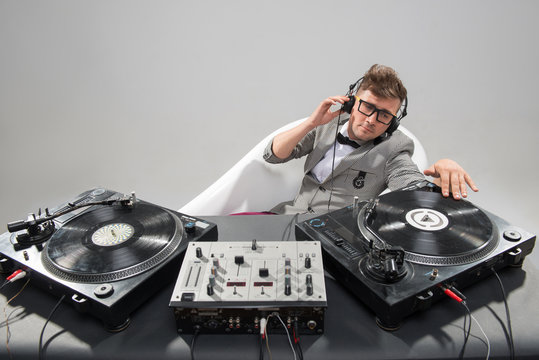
x,y
349,105
393,126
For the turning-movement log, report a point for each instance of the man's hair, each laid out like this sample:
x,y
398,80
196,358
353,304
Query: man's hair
x,y
383,82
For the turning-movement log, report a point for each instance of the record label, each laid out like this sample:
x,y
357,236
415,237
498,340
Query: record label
x,y
113,234
427,219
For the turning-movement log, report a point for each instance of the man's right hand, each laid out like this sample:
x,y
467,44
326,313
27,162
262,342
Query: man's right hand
x,y
323,114
285,142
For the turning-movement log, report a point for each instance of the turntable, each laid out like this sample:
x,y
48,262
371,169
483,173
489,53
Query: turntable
x,y
107,253
396,253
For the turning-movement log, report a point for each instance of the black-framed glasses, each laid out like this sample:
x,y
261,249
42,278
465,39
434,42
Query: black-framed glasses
x,y
367,109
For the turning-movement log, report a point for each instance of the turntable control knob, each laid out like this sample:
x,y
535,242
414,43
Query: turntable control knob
x,y
308,262
512,235
239,259
190,227
198,252
103,290
287,285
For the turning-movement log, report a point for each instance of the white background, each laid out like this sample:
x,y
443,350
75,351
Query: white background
x,y
162,97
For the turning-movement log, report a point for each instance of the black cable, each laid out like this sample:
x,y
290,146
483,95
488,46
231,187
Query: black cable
x,y
333,158
193,341
508,315
4,284
299,351
261,347
40,349
288,229
467,332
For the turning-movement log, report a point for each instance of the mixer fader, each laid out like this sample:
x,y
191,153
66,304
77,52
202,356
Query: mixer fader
x,y
226,287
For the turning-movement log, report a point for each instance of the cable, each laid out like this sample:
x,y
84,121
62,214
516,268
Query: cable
x,y
295,333
508,315
466,332
287,334
262,337
288,229
8,333
193,342
454,296
266,335
485,335
333,158
40,349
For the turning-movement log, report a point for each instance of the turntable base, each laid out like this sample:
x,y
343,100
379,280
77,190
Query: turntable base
x,y
107,259
429,241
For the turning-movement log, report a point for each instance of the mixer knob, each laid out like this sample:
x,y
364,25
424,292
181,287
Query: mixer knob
x,y
239,259
198,252
263,272
309,282
287,285
209,288
309,289
308,262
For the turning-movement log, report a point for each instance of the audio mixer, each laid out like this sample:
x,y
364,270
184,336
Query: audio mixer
x,y
232,287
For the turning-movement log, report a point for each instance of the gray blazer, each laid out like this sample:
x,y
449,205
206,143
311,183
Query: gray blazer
x,y
366,172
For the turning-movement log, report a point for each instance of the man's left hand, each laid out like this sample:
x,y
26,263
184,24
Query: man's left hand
x,y
451,176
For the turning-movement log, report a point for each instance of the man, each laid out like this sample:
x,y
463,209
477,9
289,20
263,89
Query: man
x,y
375,156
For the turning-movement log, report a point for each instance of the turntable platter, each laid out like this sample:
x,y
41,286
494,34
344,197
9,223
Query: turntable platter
x,y
112,243
430,228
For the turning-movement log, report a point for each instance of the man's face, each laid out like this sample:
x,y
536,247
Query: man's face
x,y
365,128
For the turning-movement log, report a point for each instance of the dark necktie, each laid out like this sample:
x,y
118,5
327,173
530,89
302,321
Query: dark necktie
x,y
344,140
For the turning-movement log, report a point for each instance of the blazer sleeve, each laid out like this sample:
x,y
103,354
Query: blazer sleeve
x,y
304,147
400,169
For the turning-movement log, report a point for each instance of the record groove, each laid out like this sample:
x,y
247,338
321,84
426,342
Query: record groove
x,y
431,229
110,243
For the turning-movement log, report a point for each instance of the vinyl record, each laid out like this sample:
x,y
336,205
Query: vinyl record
x,y
430,228
112,242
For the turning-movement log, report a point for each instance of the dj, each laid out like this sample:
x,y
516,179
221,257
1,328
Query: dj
x,y
370,154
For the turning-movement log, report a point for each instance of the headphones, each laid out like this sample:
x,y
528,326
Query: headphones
x,y
349,105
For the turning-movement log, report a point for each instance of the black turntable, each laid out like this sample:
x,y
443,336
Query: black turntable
x,y
107,253
398,252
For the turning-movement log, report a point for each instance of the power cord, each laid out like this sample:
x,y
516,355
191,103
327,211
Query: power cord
x,y
508,315
40,349
193,342
17,275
